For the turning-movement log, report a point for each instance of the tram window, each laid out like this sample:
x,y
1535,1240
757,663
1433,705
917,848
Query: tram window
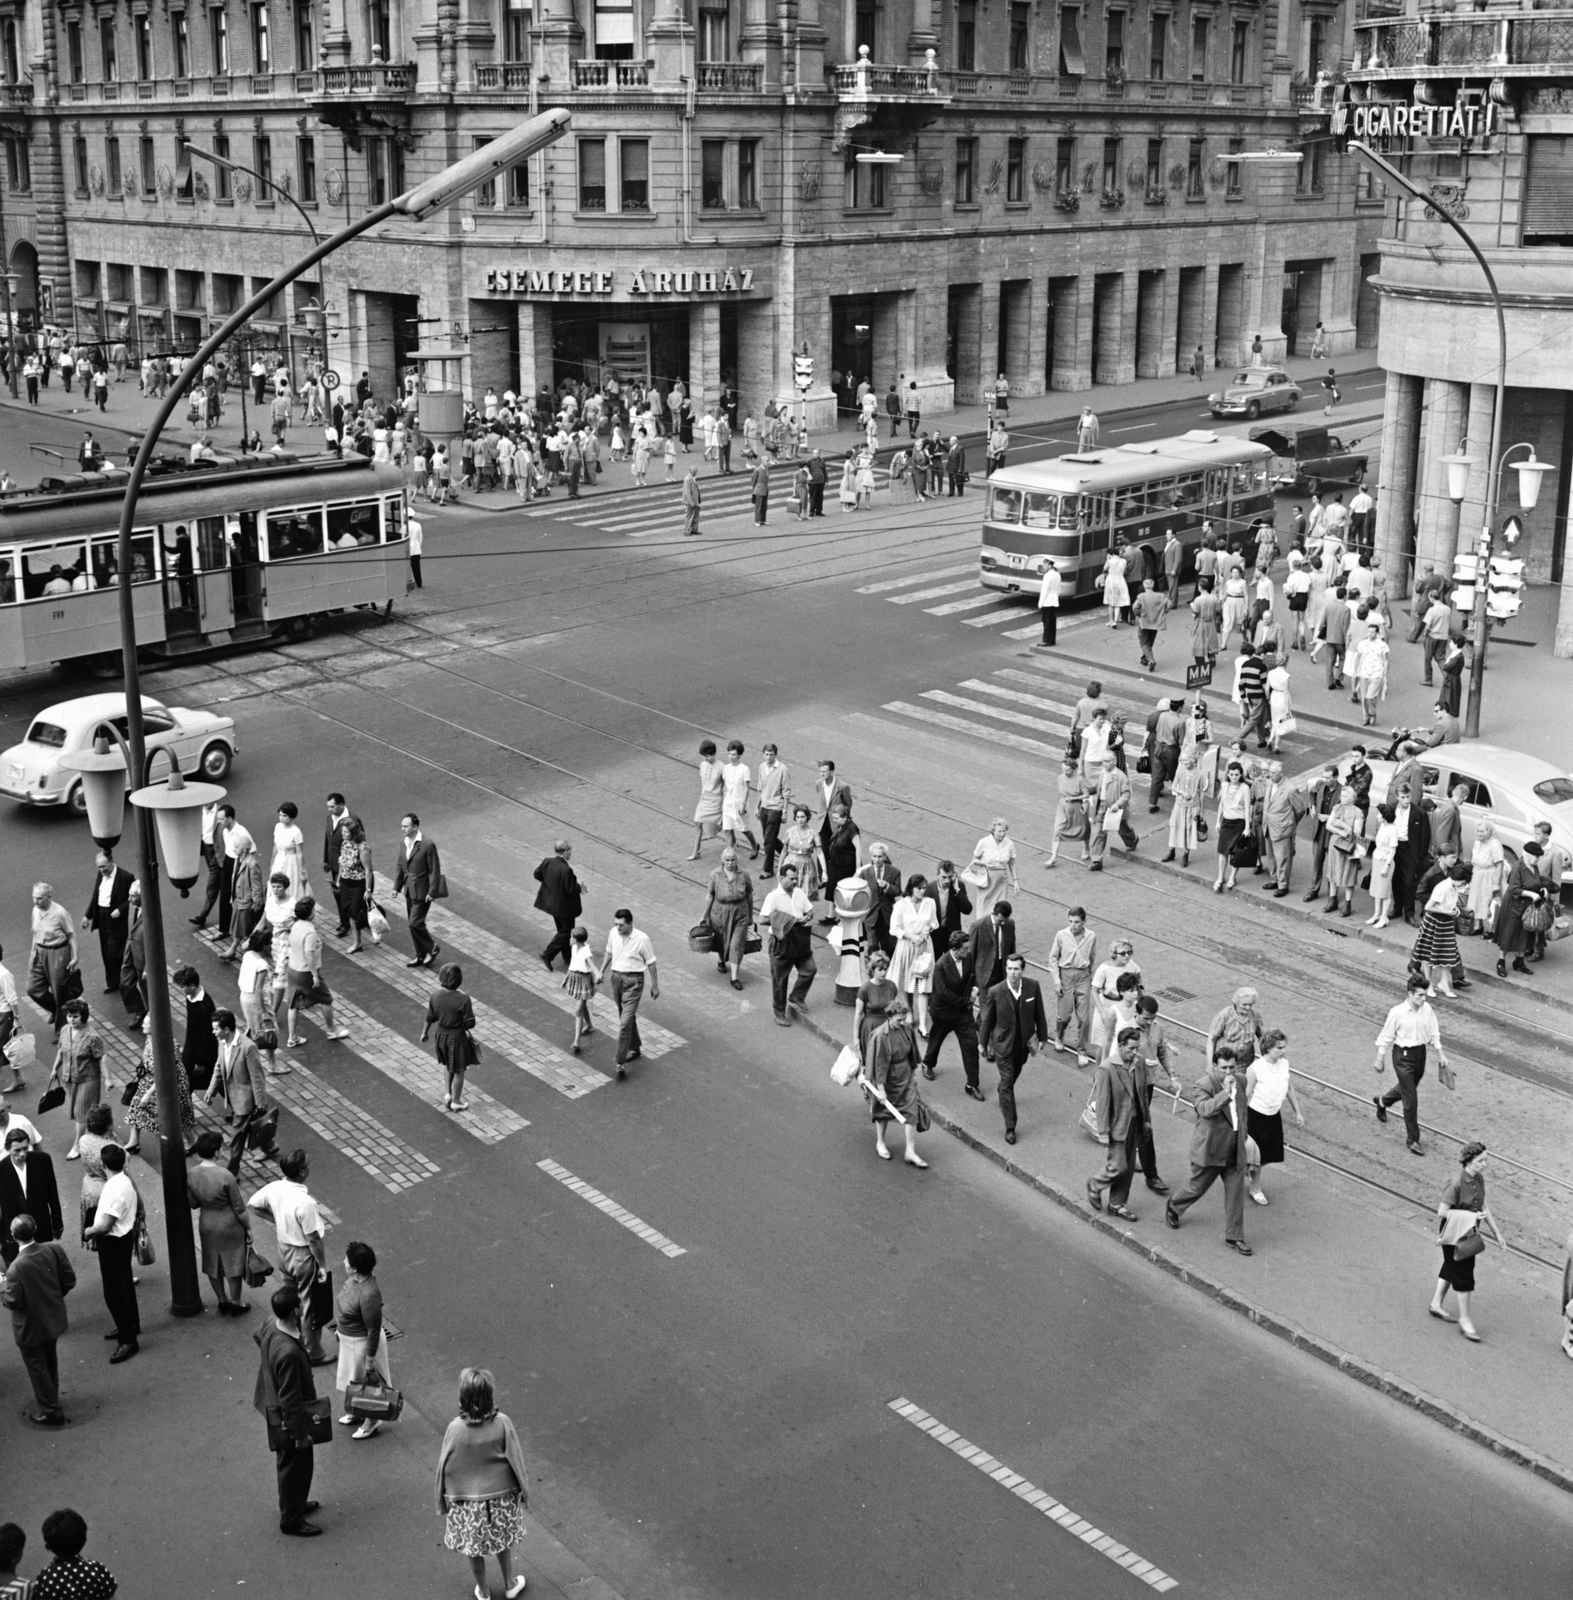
x,y
294,533
106,568
349,526
1004,505
393,520
1187,492
212,546
8,578
50,570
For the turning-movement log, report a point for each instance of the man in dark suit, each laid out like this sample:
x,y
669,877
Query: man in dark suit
x,y
416,878
1218,1148
107,915
339,819
993,942
284,1388
950,1011
830,792
1013,1026
199,1048
133,964
1323,797
560,897
239,1077
1120,1110
27,1188
951,904
36,1285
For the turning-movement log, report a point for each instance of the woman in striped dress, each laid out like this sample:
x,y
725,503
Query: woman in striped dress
x,y
1436,948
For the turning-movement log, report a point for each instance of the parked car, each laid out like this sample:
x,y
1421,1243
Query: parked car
x,y
204,746
1506,788
1311,459
1253,391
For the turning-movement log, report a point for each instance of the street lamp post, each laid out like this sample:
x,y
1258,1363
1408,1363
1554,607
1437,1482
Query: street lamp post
x,y
423,201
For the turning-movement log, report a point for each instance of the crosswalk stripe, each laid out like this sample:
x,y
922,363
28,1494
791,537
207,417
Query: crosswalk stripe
x,y
932,594
1131,707
979,687
1019,719
1008,611
657,1241
528,973
887,584
1035,631
973,603
941,719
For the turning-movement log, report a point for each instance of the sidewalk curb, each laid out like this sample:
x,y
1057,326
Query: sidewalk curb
x,y
1352,1366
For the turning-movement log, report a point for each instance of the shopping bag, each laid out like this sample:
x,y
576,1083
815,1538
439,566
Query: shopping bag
x,y
376,921
1447,1075
1112,818
21,1050
373,1401
1089,1114
1288,725
846,1066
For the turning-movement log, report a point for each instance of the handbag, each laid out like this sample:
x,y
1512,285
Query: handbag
x,y
1144,762
1447,1075
71,985
320,1301
1288,725
1246,853
319,1424
129,1093
373,1401
21,1050
1470,1246
752,943
50,1098
258,1268
1538,917
1468,922
262,1133
922,1121
846,1067
144,1247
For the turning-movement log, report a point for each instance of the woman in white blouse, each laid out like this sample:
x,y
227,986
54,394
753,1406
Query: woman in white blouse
x,y
289,851
995,859
1384,854
913,919
1234,813
1267,1086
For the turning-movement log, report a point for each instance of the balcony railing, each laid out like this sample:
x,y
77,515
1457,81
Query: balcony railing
x,y
1475,44
869,80
16,94
732,77
612,74
380,80
497,75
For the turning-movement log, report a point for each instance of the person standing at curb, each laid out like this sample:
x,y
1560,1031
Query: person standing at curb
x,y
1218,1148
1410,1027
481,1483
284,1390
417,537
790,914
1460,1210
35,1289
303,1260
1049,602
629,956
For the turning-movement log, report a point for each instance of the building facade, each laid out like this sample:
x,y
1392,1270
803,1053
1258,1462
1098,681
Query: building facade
x,y
1477,108
1056,198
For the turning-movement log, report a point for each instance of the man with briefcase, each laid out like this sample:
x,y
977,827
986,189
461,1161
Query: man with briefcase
x,y
239,1077
297,1419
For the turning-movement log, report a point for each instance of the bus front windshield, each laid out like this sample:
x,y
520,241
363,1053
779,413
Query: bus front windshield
x,y
1046,511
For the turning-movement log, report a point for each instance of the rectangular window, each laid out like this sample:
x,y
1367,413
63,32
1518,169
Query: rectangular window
x,y
864,185
633,174
1195,155
1201,28
229,290
114,179
966,35
218,36
867,29
106,48
181,40
381,16
155,286
87,279
261,40
185,177
79,163
966,171
1072,63
1154,164
306,169
516,31
148,162
262,165
1231,182
13,50
1311,168
519,185
1065,165
1239,51
18,169
1020,57
486,195
614,30
592,174
715,31
1111,164
1315,47
221,174
748,174
376,173
1114,43
122,280
271,309
1016,170
75,64
142,32
712,174
1158,50
305,40
190,290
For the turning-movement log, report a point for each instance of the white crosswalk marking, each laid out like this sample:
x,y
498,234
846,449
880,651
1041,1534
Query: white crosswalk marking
x,y
657,1241
1019,719
942,719
987,598
933,594
887,584
1035,631
979,687
1009,611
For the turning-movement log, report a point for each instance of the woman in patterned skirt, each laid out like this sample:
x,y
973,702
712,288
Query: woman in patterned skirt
x,y
481,1480
1070,815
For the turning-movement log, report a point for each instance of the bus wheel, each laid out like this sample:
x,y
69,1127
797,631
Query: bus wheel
x,y
215,762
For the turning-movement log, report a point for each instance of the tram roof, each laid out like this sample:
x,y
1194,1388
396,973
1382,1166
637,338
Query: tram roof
x,y
1107,467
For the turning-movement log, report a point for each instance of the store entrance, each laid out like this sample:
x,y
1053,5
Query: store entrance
x,y
592,344
851,346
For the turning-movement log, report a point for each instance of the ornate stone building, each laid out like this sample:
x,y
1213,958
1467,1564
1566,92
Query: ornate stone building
x,y
1064,207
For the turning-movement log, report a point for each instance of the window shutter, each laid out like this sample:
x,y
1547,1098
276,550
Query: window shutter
x,y
1548,187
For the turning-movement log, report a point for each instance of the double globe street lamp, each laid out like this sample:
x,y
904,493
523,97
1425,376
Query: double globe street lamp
x,y
169,815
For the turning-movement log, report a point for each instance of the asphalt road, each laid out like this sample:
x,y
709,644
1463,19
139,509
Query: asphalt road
x,y
716,1424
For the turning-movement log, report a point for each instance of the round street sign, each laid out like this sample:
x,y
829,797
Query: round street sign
x,y
331,380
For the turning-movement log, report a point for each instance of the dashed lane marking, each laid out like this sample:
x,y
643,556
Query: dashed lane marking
x,y
656,1241
1039,1499
887,584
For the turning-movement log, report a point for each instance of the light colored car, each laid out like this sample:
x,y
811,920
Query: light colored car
x,y
204,745
1510,790
1256,389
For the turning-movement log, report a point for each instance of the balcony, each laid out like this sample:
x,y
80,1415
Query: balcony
x,y
731,77
16,94
612,74
373,97
866,81
493,77
1499,44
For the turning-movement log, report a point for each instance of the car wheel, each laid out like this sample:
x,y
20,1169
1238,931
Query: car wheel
x,y
1358,478
76,800
1313,487
215,762
1253,411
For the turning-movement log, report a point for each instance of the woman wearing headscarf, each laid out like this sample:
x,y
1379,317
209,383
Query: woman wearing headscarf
x,y
1488,873
1239,1026
729,911
1524,888
1345,835
1460,1210
891,1067
1187,791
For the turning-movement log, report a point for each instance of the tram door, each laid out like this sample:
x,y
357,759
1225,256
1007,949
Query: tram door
x,y
182,616
213,583
245,568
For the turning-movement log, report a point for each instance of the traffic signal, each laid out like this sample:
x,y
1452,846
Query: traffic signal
x,y
1466,570
1505,584
803,370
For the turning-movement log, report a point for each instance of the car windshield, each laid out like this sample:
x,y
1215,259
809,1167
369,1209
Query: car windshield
x,y
47,734
1254,379
1555,791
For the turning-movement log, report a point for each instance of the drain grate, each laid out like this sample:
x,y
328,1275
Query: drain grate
x,y
1175,994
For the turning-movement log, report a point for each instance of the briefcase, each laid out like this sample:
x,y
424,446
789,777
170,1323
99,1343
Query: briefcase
x,y
263,1130
321,1302
319,1423
373,1401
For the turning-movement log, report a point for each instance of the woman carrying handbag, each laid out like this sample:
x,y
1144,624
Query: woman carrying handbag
x,y
451,1013
1461,1211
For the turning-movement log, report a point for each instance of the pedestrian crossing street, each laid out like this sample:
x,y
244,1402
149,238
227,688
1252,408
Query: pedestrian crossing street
x,y
958,592
657,509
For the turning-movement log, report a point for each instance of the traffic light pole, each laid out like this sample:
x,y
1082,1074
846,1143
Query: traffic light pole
x,y
1477,667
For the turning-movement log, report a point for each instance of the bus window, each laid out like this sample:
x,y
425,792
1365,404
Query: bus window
x,y
393,518
294,533
1250,477
53,569
1004,505
1187,492
1130,503
352,525
1093,511
212,546
1044,511
7,577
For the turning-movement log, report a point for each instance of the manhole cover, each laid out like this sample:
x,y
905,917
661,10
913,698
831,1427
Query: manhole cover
x,y
1175,994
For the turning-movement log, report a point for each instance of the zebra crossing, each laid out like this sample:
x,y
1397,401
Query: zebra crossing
x,y
657,509
946,592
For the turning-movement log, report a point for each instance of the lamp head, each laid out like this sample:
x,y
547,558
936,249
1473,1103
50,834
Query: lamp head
x,y
103,787
1459,465
177,810
483,165
1530,474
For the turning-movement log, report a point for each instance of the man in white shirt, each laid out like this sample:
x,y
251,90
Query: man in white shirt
x,y
790,914
1049,602
115,1229
1411,1025
298,1225
417,538
629,956
775,790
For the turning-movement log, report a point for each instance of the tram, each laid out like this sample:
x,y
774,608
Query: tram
x,y
1073,508
222,554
